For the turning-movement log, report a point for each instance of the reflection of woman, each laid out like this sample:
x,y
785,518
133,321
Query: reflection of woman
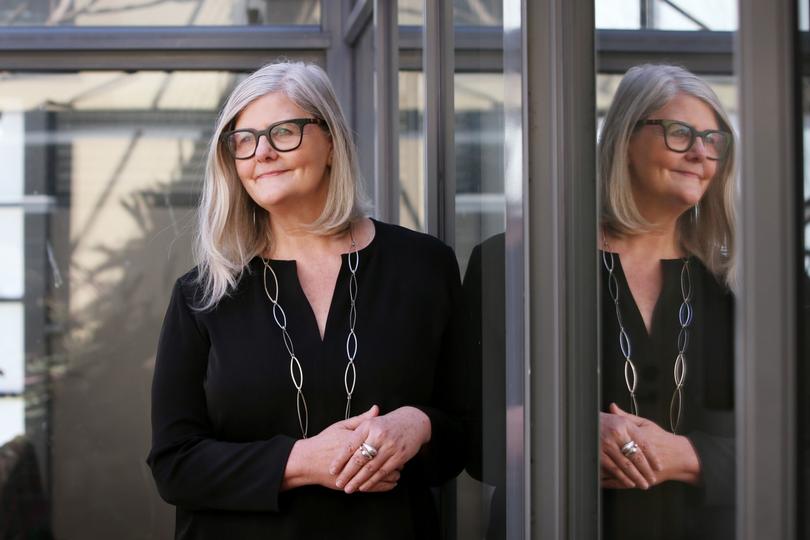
x,y
301,315
666,160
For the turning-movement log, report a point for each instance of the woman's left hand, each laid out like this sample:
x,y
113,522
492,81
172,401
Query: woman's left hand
x,y
397,437
676,455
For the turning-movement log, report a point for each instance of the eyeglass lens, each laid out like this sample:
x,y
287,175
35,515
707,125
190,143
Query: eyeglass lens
x,y
283,137
681,137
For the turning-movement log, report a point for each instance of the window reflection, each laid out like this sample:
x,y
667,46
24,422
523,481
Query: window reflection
x,y
667,246
479,226
411,150
718,15
803,285
465,12
160,12
110,168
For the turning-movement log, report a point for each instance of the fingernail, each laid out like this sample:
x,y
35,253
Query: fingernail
x,y
332,471
349,489
339,484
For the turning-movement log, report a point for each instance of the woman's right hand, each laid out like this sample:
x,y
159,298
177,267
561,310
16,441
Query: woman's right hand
x,y
637,470
310,458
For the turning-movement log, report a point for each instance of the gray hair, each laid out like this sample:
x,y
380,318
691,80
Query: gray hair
x,y
229,234
708,231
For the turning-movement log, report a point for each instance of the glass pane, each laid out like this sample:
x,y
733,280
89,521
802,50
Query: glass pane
x,y
112,167
11,348
11,253
160,13
478,12
803,286
411,150
617,14
465,12
724,86
718,15
479,244
12,420
667,362
11,141
410,12
479,226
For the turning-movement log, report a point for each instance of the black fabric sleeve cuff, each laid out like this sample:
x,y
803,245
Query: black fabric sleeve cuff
x,y
716,455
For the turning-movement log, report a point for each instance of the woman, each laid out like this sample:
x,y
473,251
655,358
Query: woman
x,y
666,166
307,382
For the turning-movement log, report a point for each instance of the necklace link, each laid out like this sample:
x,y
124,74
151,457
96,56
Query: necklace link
x,y
685,316
296,371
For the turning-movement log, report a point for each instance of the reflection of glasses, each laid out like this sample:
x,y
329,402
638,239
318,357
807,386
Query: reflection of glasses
x,y
679,137
283,136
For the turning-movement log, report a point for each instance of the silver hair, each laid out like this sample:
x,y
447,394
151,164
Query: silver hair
x,y
707,232
229,233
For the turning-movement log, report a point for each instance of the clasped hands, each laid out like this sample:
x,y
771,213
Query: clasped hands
x,y
662,455
333,457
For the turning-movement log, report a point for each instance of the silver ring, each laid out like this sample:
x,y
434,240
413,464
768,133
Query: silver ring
x,y
367,451
629,448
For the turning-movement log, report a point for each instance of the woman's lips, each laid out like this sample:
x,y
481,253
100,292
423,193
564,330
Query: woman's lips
x,y
271,174
689,173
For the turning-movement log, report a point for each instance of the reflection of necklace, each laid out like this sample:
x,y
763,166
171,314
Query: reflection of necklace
x,y
296,373
684,318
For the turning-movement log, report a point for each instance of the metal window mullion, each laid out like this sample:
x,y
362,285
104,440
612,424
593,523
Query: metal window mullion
x,y
162,39
440,185
339,57
562,269
516,182
386,106
359,17
767,306
102,60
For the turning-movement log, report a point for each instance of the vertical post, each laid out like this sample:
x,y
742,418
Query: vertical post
x,y
767,306
562,268
438,62
386,108
516,182
339,63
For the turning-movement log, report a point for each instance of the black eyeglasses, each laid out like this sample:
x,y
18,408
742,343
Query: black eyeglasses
x,y
680,137
284,136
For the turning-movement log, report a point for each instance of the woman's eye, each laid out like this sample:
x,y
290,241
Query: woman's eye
x,y
283,131
679,131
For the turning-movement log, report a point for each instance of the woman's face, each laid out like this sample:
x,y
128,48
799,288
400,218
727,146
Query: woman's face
x,y
295,179
665,182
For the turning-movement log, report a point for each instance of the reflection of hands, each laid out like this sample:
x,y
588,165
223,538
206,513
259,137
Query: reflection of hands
x,y
618,471
397,437
676,457
309,460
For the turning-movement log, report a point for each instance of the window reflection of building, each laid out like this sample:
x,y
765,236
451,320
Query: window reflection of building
x,y
112,168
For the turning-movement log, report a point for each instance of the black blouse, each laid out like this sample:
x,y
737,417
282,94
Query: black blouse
x,y
224,406
675,510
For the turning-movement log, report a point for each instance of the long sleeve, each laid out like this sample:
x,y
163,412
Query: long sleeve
x,y
445,455
191,467
716,455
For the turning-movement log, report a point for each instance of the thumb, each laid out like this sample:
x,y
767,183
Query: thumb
x,y
354,421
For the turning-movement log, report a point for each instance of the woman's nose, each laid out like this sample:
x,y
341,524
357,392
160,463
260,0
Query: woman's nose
x,y
698,150
264,150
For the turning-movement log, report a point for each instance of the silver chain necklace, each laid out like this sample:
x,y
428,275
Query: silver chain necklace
x,y
296,373
684,318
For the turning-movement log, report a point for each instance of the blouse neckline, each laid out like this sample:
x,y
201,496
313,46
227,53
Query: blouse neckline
x,y
365,251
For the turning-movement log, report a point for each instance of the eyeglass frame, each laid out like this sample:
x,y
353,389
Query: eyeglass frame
x,y
300,122
694,134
